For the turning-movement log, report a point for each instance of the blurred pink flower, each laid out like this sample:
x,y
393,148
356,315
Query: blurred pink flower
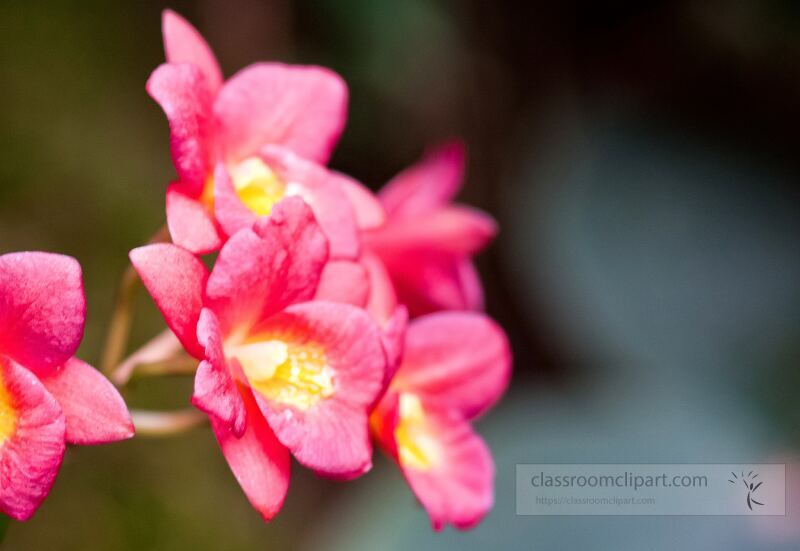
x,y
48,398
280,371
455,366
427,242
242,145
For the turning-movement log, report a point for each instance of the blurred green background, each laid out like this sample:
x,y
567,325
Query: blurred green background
x,y
641,158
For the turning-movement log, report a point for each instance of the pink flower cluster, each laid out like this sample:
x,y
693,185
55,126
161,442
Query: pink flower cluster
x,y
332,318
301,327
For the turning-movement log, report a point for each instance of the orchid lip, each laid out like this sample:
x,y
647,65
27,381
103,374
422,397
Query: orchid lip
x,y
257,185
293,374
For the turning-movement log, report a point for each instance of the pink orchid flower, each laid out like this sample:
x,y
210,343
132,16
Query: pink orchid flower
x,y
48,398
426,242
455,366
242,145
280,371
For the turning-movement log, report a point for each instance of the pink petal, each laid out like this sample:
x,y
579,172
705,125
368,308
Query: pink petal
x,y
429,184
231,213
428,281
302,108
323,190
31,455
215,391
260,271
370,213
470,284
175,279
331,436
191,224
183,44
459,488
94,411
344,281
42,308
382,298
458,360
182,92
394,336
453,230
259,462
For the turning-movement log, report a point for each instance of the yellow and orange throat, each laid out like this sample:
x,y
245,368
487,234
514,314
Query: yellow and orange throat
x,y
286,372
417,445
256,184
8,413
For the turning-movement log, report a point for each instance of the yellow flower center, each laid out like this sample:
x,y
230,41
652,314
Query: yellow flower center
x,y
257,185
8,413
292,374
417,445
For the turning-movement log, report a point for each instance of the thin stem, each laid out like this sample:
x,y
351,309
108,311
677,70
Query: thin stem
x,y
166,423
161,355
185,365
120,325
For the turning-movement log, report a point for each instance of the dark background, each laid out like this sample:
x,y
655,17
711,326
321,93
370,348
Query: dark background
x,y
641,158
